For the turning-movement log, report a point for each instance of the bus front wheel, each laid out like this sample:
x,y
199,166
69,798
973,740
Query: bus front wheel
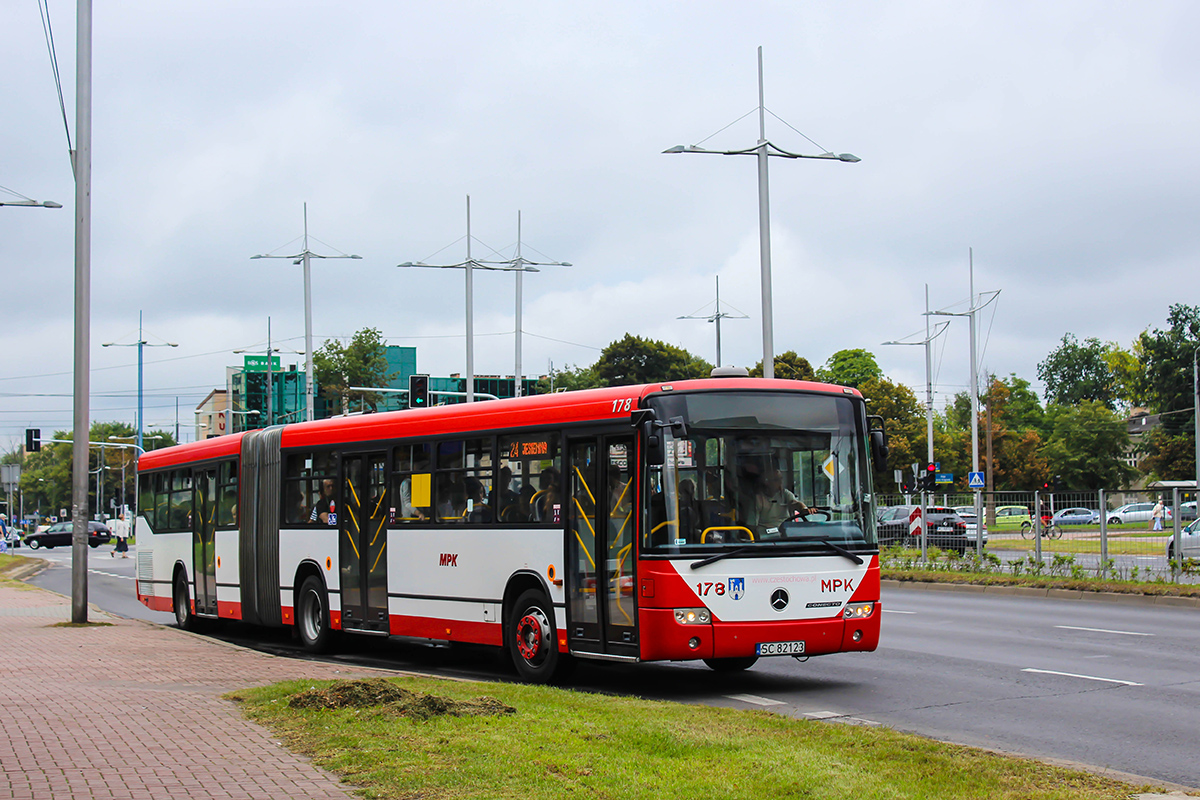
x,y
312,616
533,641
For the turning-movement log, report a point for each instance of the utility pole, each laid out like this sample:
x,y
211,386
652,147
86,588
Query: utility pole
x,y
927,343
81,162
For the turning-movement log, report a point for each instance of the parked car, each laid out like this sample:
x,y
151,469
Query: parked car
x,y
1012,518
944,528
60,534
968,517
1187,510
1189,542
1076,516
1135,512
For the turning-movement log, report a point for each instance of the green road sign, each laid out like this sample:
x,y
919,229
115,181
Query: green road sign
x,y
259,363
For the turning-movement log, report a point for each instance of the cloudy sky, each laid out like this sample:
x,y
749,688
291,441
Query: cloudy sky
x,y
1056,139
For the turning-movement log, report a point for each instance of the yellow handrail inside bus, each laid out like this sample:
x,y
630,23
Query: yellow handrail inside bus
x,y
661,524
584,483
373,566
591,560
617,580
704,533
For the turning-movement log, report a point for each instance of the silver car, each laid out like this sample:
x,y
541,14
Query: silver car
x,y
1135,512
1189,542
968,516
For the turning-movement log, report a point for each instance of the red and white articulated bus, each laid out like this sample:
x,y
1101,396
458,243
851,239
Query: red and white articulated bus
x,y
718,519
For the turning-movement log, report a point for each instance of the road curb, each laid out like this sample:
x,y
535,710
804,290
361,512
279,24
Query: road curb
x,y
1167,601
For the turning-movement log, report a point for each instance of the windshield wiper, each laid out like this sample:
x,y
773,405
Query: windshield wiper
x,y
775,550
841,551
719,556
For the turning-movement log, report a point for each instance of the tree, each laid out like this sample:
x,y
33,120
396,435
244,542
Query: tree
x,y
1128,374
1074,373
1087,446
1167,364
1168,458
789,366
633,360
46,475
1022,410
570,379
362,362
905,424
850,368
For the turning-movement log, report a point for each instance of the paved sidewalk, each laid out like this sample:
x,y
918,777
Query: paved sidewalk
x,y
135,711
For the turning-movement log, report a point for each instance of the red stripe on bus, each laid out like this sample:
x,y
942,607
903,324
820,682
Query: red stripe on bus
x,y
453,629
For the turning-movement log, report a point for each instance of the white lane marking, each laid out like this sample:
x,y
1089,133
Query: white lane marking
x,y
755,699
1101,630
894,611
110,574
1084,677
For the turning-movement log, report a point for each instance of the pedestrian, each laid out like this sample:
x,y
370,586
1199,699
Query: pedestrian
x,y
1156,515
120,529
3,533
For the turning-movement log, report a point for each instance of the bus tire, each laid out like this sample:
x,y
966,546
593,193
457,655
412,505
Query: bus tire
x,y
532,640
184,617
731,664
312,616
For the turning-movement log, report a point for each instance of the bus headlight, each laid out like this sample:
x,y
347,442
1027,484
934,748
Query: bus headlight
x,y
858,610
693,616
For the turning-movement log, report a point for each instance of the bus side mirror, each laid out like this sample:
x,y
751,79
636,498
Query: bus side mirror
x,y
656,453
879,444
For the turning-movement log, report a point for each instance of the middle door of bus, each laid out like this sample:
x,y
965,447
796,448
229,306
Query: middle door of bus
x,y
204,540
601,605
362,534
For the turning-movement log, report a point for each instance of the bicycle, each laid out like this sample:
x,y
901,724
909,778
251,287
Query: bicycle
x,y
1049,530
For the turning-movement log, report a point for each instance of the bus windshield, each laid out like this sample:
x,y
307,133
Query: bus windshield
x,y
769,470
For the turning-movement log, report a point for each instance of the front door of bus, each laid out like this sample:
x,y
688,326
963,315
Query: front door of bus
x,y
362,533
601,608
204,540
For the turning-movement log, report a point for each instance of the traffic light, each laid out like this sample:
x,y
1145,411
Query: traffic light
x,y
33,440
1058,483
418,391
929,479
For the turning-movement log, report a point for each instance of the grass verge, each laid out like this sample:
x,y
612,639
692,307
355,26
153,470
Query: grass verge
x,y
564,743
1155,588
11,565
1116,547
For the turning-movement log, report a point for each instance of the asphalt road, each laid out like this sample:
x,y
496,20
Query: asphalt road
x,y
1103,684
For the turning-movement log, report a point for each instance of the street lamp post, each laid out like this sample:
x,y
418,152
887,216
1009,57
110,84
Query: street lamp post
x,y
270,378
716,317
468,266
304,257
140,450
520,265
927,344
762,151
140,343
970,314
1196,425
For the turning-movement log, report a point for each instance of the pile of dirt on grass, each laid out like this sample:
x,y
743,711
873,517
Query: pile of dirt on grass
x,y
377,692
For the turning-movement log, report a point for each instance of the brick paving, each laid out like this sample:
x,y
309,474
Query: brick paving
x,y
135,711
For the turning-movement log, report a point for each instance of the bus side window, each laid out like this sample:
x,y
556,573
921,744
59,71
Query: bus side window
x,y
412,485
146,507
227,497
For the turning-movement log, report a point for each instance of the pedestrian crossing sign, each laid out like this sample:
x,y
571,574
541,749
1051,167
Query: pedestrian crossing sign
x,y
975,480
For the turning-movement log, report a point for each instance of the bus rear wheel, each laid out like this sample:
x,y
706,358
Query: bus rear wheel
x,y
731,664
532,640
312,616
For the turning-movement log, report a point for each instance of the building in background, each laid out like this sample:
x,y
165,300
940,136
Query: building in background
x,y
242,404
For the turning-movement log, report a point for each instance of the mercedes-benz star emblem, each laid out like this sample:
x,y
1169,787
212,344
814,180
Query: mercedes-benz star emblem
x,y
779,599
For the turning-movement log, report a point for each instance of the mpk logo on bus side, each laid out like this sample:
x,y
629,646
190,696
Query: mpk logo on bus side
x,y
448,560
838,585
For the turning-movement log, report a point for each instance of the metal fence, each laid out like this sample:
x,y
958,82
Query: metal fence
x,y
1111,534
